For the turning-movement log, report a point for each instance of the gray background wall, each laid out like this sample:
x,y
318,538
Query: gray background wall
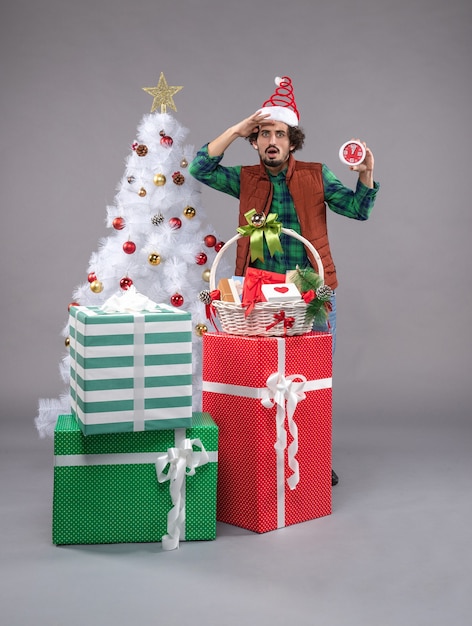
x,y
396,74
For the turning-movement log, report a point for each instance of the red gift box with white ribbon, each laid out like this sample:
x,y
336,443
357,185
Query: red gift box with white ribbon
x,y
271,398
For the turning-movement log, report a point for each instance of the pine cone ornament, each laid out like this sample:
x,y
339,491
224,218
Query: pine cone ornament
x,y
205,296
141,150
157,219
324,293
178,178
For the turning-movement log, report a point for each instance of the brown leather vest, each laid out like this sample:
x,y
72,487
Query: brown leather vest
x,y
305,183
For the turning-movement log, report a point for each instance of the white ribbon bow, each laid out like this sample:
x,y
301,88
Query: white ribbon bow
x,y
130,301
182,462
281,389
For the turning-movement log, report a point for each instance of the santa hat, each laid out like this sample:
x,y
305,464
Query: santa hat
x,y
281,105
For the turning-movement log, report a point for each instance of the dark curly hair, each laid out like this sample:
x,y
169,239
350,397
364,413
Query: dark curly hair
x,y
296,137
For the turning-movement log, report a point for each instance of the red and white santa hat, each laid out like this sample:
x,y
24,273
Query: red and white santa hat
x,y
281,105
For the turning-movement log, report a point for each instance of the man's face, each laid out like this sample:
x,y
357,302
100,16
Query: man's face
x,y
273,145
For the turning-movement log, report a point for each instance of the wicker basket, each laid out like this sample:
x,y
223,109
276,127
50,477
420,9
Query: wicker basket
x,y
232,315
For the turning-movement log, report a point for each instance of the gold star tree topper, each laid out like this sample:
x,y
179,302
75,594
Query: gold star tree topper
x,y
163,95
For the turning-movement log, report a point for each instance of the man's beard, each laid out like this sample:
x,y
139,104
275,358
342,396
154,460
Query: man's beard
x,y
272,162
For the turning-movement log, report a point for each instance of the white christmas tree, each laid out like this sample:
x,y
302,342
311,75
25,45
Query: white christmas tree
x,y
160,243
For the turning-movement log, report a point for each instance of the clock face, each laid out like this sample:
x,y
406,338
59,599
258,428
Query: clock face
x,y
352,153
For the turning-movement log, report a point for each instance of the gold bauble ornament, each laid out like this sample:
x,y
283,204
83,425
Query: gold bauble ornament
x,y
206,275
67,342
154,258
96,286
142,192
189,212
201,329
184,162
159,180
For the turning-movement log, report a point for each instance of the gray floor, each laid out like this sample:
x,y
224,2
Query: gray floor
x,y
395,552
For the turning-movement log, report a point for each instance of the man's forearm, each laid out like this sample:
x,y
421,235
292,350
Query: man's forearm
x,y
367,178
218,146
242,129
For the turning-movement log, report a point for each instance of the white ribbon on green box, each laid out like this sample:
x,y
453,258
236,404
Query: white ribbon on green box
x,y
181,460
130,370
284,392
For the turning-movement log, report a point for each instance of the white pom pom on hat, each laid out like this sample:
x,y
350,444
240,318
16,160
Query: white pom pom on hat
x,y
281,106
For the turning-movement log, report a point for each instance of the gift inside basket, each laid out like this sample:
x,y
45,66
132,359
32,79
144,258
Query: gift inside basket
x,y
269,319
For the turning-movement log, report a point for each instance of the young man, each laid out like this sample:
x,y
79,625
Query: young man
x,y
296,191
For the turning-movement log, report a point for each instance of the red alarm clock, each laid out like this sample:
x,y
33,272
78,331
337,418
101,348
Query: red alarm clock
x,y
352,152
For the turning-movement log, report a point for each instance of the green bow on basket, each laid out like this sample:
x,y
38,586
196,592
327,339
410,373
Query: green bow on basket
x,y
258,227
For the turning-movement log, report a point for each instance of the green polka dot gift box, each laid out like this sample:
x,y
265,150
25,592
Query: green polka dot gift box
x,y
146,486
130,371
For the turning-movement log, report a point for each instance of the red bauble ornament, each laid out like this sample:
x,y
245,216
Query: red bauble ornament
x,y
210,241
175,223
72,304
118,223
166,141
177,299
125,283
201,258
219,245
129,247
91,277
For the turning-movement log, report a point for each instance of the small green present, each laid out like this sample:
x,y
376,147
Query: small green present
x,y
135,487
130,370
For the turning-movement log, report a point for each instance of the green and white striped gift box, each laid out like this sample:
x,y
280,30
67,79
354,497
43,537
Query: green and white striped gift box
x,y
130,371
